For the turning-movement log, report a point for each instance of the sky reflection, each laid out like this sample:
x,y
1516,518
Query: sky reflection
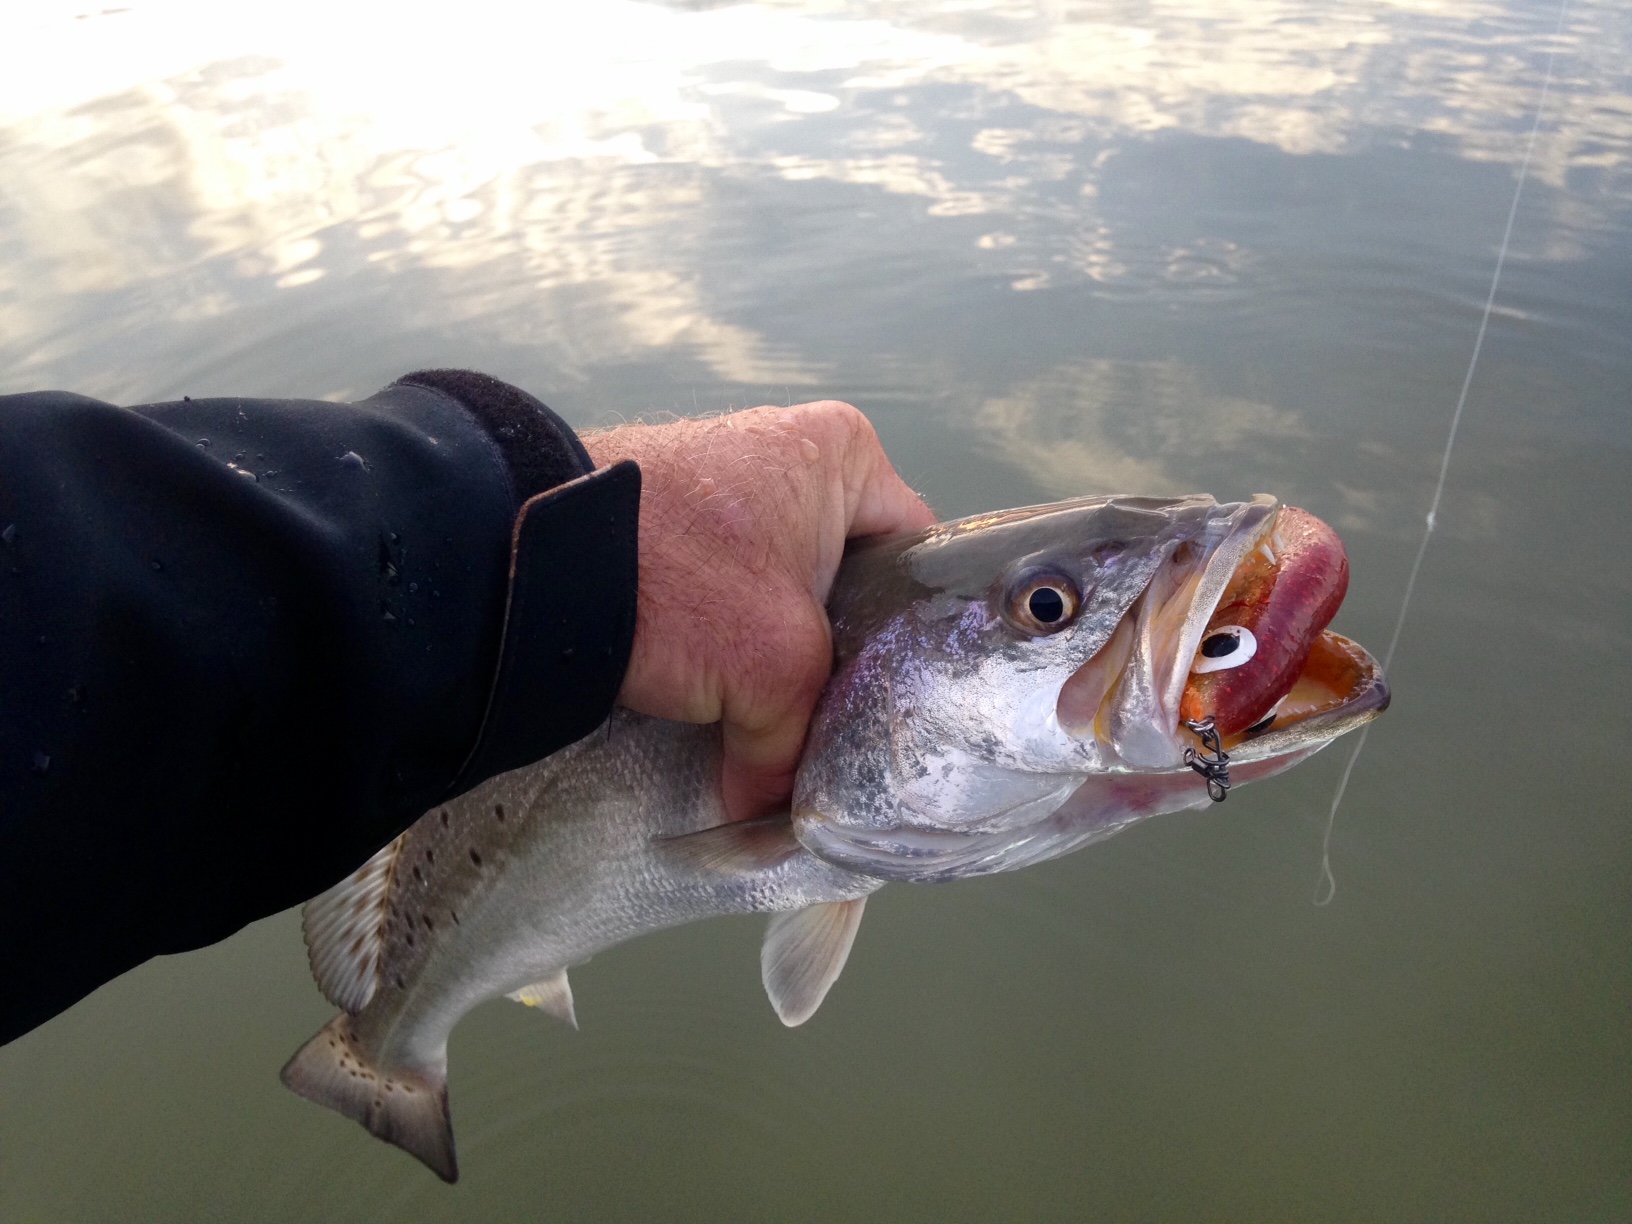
x,y
577,145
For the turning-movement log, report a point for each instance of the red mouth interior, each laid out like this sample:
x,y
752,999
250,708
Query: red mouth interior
x,y
1286,592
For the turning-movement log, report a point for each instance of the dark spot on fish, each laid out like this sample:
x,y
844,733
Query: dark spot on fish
x,y
498,810
418,874
401,985
454,914
474,857
408,936
430,855
426,919
444,815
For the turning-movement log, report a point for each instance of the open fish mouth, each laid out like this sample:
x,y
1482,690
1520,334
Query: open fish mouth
x,y
1234,640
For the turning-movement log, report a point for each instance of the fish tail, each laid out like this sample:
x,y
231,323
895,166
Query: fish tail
x,y
407,1108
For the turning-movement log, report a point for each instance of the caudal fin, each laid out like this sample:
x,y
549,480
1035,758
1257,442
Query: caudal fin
x,y
405,1108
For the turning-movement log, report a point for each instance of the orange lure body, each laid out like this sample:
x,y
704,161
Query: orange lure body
x,y
1285,592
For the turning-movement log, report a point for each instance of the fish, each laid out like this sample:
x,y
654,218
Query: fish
x,y
1007,688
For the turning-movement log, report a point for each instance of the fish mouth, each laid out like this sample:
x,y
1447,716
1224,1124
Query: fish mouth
x,y
1141,699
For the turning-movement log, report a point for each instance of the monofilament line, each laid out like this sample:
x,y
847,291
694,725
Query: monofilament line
x,y
1326,886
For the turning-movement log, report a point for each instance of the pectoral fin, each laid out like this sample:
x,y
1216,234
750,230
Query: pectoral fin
x,y
739,848
803,953
553,995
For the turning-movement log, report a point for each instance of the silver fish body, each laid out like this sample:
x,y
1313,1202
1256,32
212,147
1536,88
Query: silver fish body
x,y
937,751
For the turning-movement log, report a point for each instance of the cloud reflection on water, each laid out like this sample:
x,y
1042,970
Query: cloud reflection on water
x,y
557,168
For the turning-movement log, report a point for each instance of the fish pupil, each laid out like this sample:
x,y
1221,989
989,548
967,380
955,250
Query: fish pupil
x,y
1046,604
1218,645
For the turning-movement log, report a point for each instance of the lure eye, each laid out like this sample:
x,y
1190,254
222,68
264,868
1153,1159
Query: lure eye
x,y
1223,648
1044,603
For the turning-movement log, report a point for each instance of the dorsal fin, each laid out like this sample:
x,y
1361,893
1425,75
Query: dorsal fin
x,y
552,994
344,928
803,953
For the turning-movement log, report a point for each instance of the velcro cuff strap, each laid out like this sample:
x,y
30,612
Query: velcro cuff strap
x,y
569,621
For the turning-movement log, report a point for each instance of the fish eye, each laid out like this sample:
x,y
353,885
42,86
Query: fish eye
x,y
1044,603
1223,648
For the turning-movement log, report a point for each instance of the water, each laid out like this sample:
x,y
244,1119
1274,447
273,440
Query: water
x,y
1051,250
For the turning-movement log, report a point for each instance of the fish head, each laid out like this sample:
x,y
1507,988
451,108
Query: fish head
x,y
1012,686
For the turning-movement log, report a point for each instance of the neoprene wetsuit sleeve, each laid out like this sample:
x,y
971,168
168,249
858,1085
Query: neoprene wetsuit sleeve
x,y
244,643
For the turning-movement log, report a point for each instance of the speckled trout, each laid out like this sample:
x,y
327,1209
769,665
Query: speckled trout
x,y
1006,688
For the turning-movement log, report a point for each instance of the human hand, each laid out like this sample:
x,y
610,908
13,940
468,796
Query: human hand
x,y
743,520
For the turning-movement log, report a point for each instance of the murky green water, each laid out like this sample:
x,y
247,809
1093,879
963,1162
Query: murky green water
x,y
1051,249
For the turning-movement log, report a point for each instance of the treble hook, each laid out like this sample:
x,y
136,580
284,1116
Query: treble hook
x,y
1212,762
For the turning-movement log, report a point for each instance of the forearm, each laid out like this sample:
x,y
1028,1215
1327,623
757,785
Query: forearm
x,y
244,643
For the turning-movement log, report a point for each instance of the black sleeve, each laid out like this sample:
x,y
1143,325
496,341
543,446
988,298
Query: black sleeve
x,y
244,643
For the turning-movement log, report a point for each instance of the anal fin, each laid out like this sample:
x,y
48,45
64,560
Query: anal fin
x,y
804,952
552,994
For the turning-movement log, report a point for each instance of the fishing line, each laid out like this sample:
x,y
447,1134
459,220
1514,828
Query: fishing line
x,y
1327,881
